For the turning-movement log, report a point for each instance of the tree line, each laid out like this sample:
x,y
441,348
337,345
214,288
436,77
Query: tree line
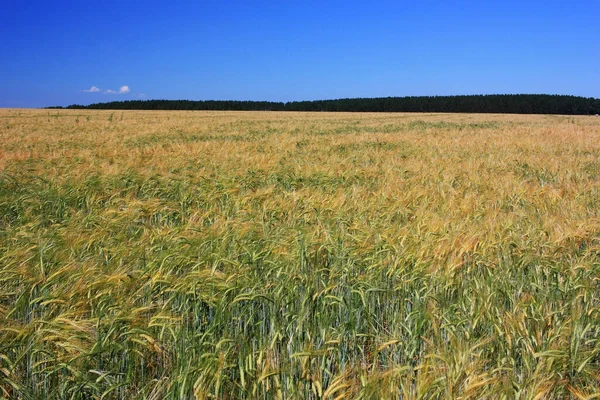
x,y
505,103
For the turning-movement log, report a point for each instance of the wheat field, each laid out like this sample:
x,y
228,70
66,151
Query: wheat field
x,y
265,255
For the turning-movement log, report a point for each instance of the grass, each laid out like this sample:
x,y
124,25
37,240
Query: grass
x,y
151,255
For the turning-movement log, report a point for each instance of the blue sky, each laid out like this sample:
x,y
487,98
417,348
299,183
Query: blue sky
x,y
281,51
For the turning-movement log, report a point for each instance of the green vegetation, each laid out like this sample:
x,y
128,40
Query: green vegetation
x,y
514,104
171,255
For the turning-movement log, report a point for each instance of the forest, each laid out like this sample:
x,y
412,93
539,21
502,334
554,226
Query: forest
x,y
504,103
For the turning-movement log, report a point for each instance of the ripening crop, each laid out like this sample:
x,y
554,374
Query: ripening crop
x,y
199,255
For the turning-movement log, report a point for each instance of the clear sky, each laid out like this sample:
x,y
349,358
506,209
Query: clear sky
x,y
51,52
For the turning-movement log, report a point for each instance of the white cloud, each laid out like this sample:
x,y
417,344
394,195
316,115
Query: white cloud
x,y
141,95
93,89
122,90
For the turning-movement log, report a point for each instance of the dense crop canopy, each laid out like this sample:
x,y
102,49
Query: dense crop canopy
x,y
184,254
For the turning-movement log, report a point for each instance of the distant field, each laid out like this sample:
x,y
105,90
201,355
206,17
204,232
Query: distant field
x,y
177,254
